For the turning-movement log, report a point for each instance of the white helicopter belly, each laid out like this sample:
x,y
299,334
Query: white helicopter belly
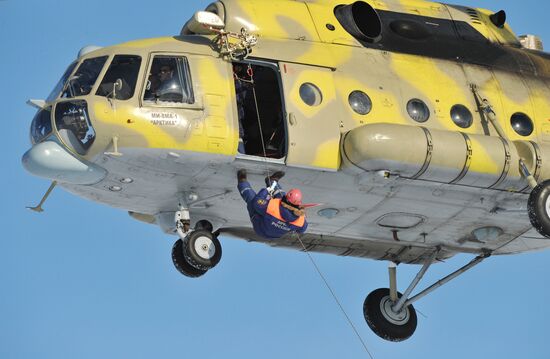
x,y
365,216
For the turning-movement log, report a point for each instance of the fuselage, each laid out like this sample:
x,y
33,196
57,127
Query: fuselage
x,y
389,134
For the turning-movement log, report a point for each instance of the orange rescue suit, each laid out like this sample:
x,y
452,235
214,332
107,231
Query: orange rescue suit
x,y
273,209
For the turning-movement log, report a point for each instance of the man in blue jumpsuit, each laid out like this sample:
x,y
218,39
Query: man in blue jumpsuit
x,y
272,217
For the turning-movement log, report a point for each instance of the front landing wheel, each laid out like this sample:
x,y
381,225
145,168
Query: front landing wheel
x,y
538,207
181,264
202,249
383,321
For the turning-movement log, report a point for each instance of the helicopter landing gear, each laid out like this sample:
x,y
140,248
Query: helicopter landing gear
x,y
180,262
196,253
538,208
202,249
390,314
198,250
387,324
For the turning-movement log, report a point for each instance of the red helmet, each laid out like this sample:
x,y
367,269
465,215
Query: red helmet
x,y
294,197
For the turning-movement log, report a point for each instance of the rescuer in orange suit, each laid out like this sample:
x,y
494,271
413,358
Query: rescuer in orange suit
x,y
273,214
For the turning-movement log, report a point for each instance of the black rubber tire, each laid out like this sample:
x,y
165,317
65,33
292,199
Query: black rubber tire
x,y
204,224
381,326
536,208
194,258
181,263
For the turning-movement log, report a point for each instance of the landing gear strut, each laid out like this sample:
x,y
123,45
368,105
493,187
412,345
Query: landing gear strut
x,y
390,314
198,249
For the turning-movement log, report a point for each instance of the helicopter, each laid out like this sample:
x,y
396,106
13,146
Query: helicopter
x,y
419,128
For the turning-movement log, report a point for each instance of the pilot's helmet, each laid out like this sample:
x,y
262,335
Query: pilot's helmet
x,y
170,90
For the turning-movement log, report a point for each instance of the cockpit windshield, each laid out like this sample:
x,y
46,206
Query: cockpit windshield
x,y
83,80
121,77
73,125
41,125
59,86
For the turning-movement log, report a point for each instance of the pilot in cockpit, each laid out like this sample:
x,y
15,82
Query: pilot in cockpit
x,y
165,74
163,85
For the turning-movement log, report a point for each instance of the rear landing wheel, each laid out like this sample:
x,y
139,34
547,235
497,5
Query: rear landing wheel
x,y
386,323
538,208
181,263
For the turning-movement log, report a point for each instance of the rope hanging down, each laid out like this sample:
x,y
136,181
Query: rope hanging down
x,y
336,299
250,73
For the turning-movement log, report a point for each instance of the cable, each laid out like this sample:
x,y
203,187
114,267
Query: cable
x,y
251,74
422,314
336,299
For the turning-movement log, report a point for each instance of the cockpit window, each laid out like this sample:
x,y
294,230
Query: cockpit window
x,y
121,77
57,89
41,125
74,126
169,81
83,80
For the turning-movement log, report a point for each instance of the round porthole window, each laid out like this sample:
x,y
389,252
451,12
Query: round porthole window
x,y
418,110
522,124
461,116
360,102
310,94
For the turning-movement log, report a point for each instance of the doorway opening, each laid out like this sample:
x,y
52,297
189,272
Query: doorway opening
x,y
262,130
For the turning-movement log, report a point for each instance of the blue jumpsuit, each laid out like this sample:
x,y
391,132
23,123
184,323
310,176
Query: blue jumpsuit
x,y
264,224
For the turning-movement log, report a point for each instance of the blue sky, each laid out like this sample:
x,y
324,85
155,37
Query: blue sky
x,y
82,280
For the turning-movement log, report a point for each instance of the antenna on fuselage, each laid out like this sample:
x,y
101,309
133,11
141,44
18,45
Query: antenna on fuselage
x,y
39,208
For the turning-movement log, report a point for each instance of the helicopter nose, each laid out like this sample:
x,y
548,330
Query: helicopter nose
x,y
50,160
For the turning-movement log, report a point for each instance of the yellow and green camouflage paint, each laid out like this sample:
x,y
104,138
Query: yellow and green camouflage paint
x,y
309,45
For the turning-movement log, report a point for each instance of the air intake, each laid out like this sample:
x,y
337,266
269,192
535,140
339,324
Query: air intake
x,y
498,19
361,20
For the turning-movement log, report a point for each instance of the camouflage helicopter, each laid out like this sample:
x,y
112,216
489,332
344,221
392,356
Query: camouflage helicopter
x,y
421,128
